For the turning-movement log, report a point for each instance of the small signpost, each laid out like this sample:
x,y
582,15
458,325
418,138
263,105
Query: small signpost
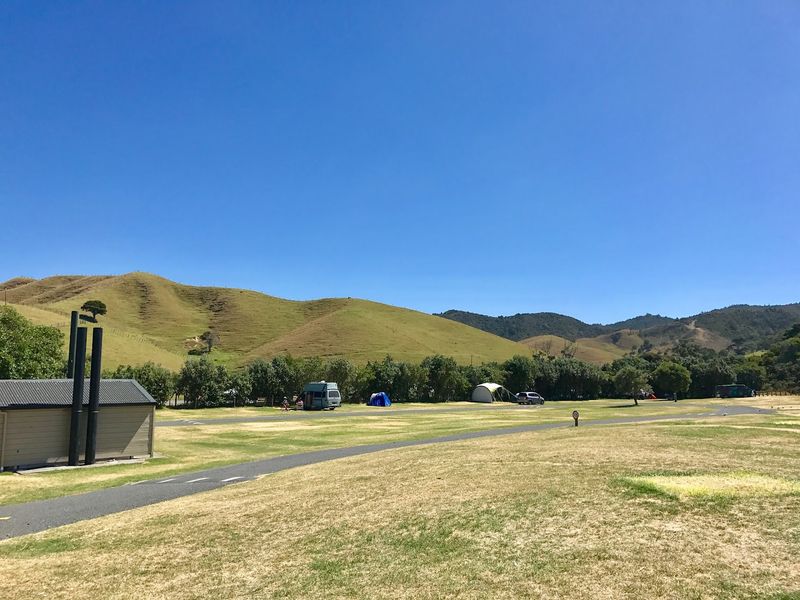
x,y
576,415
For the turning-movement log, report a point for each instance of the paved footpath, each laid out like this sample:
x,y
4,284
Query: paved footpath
x,y
30,517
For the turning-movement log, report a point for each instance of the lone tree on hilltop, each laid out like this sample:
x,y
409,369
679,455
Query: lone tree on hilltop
x,y
96,307
628,381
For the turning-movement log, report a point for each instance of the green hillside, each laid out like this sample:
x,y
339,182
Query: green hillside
x,y
744,327
522,326
750,327
152,318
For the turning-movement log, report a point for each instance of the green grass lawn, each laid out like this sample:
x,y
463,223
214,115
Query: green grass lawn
x,y
190,448
673,509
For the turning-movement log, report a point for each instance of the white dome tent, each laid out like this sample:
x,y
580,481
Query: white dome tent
x,y
491,392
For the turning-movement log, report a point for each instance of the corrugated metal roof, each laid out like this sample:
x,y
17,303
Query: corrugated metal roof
x,y
40,393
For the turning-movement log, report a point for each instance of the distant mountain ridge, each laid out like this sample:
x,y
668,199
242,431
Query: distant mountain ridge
x,y
743,327
521,326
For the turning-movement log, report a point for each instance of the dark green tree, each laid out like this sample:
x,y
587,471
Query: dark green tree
x,y
520,373
628,381
751,373
575,379
211,339
342,372
793,331
264,383
307,370
484,373
286,378
707,375
445,380
203,383
671,377
28,351
240,387
410,383
380,376
96,307
546,375
159,382
782,363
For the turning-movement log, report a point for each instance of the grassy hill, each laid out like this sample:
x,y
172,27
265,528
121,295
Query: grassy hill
x,y
152,318
598,350
522,326
751,327
743,326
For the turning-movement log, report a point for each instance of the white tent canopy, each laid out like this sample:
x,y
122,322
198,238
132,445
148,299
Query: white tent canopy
x,y
489,392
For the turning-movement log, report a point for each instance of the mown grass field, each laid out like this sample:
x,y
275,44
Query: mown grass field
x,y
152,318
194,447
673,509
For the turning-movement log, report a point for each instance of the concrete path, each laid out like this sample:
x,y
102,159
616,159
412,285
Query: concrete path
x,y
21,519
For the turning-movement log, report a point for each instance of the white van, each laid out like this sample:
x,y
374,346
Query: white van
x,y
321,395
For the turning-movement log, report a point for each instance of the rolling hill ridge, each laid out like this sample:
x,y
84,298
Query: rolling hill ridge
x,y
153,319
742,327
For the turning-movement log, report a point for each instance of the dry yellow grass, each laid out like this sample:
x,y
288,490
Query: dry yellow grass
x,y
782,404
597,350
726,484
546,515
191,448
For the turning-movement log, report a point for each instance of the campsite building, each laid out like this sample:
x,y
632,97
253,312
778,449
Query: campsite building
x,y
35,421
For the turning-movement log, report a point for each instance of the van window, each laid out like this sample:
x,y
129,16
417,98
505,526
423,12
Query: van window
x,y
333,394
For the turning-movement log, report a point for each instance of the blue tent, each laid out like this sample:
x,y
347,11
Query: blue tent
x,y
379,399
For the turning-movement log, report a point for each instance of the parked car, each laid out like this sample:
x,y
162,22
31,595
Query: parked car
x,y
529,398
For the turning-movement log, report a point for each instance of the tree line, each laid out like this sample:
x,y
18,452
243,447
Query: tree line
x,y
31,351
687,371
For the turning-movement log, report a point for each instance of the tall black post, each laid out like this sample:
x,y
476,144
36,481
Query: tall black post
x,y
73,327
77,396
94,396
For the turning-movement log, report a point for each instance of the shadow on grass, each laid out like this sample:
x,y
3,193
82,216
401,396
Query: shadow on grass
x,y
621,406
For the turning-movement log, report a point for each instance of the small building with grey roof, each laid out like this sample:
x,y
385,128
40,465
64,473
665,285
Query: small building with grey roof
x,y
35,421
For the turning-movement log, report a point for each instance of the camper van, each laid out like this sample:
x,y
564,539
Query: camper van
x,y
733,390
321,395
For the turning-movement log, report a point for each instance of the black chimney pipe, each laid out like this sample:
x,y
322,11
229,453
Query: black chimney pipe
x,y
77,396
94,396
73,326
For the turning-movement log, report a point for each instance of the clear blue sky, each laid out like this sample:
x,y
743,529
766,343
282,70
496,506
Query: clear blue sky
x,y
599,159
